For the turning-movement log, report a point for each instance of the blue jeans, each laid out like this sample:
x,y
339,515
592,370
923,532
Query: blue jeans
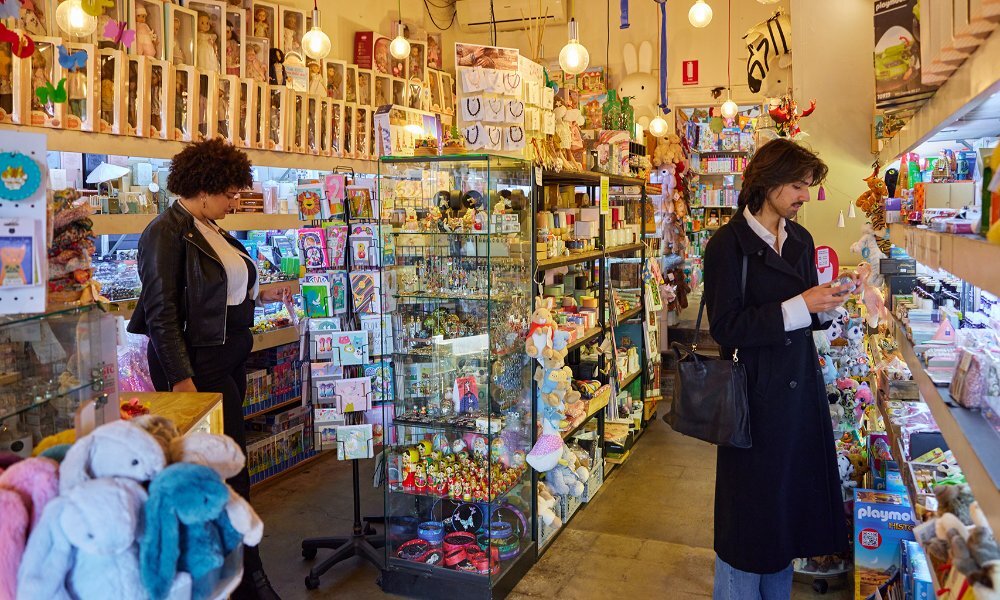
x,y
733,584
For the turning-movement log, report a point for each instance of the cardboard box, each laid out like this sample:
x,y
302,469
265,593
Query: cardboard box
x,y
585,229
917,583
882,521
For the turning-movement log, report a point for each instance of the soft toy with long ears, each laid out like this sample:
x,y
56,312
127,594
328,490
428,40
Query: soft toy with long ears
x,y
223,455
116,449
187,529
84,546
541,330
25,488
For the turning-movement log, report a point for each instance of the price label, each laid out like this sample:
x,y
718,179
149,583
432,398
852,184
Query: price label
x,y
605,195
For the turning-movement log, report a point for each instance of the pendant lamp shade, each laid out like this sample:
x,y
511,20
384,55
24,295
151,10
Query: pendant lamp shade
x,y
700,14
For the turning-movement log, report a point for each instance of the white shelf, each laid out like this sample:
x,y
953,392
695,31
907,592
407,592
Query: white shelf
x,y
135,224
953,427
971,84
65,140
970,258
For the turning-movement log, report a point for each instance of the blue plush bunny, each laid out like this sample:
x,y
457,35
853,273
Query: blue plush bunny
x,y
187,530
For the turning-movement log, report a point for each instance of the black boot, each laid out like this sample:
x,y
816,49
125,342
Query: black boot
x,y
255,586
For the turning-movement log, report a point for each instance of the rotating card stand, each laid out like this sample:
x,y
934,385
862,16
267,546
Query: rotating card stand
x,y
363,541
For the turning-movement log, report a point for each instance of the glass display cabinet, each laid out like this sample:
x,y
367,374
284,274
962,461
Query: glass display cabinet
x,y
459,253
58,371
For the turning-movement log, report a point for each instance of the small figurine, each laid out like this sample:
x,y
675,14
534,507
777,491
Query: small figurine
x,y
411,220
316,84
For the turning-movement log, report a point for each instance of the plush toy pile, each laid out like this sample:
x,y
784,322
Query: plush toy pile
x,y
964,550
565,472
133,510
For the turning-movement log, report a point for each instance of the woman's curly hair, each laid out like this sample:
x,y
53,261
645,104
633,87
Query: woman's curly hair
x,y
211,167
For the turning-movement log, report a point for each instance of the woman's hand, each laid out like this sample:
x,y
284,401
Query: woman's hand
x,y
282,294
186,385
822,298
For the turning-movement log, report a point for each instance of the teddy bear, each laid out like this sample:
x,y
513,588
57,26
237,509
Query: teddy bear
x,y
668,150
538,340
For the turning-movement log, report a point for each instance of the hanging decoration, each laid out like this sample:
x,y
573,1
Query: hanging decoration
x,y
19,176
821,195
658,126
729,108
72,60
770,49
700,14
9,9
74,20
21,46
624,15
840,220
399,48
95,8
118,33
785,113
48,93
574,57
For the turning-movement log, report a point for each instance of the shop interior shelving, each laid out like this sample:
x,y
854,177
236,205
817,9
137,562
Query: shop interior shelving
x,y
970,258
136,224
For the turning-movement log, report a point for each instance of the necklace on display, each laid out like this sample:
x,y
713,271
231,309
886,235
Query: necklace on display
x,y
516,109
468,106
520,134
511,81
468,136
495,142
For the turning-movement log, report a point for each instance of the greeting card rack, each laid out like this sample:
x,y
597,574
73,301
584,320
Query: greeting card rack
x,y
459,495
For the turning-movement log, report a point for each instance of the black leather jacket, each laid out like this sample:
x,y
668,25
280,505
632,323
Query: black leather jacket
x,y
183,299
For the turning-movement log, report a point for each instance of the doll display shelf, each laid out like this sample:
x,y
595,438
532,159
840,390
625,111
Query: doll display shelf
x,y
66,140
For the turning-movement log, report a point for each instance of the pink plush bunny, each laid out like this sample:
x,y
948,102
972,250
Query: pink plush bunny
x,y
25,488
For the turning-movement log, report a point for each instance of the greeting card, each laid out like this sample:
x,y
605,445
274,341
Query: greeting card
x,y
388,245
338,291
312,247
336,185
309,197
343,348
355,442
316,299
323,376
380,327
353,395
364,251
381,375
360,201
365,293
336,242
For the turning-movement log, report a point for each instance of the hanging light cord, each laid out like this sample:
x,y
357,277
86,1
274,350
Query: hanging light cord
x,y
454,13
729,54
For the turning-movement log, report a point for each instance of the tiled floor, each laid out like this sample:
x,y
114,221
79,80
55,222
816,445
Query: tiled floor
x,y
647,534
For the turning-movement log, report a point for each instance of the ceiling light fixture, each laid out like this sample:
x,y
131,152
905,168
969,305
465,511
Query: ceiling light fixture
x,y
399,48
573,58
73,20
700,14
315,42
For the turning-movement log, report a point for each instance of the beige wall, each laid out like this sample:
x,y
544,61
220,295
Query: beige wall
x,y
835,47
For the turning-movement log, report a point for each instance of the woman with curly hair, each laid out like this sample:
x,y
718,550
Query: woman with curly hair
x,y
199,288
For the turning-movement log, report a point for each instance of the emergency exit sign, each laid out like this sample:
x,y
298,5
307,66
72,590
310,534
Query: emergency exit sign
x,y
690,72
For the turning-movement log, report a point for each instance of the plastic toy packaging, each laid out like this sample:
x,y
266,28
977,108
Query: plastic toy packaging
x,y
79,62
312,117
276,117
155,118
133,368
111,64
132,102
185,94
337,129
208,100
7,109
47,85
246,112
227,108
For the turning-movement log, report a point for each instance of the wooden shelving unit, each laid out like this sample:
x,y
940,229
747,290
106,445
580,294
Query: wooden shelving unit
x,y
274,338
970,258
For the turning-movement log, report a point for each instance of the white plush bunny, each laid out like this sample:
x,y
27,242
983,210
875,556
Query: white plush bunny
x,y
639,82
224,456
85,545
116,449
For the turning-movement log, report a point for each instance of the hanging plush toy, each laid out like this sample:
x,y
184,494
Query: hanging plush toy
x,y
785,113
769,44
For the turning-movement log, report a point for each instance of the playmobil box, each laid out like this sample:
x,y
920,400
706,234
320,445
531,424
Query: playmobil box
x,y
917,583
882,520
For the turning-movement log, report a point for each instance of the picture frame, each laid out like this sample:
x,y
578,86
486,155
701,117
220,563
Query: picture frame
x,y
235,46
335,71
44,70
181,44
256,58
135,95
279,107
12,87
262,112
159,123
227,108
111,90
337,128
210,55
366,87
351,84
246,112
264,22
81,89
207,100
185,102
293,27
147,18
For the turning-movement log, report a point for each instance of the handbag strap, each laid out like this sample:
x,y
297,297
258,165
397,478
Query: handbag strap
x,y
701,308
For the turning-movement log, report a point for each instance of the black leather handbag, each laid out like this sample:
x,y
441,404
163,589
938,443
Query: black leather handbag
x,y
710,394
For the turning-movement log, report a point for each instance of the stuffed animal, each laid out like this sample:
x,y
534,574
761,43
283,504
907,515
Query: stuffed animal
x,y
639,82
84,546
956,499
875,195
26,487
116,449
668,150
546,504
538,340
162,428
223,455
846,469
186,529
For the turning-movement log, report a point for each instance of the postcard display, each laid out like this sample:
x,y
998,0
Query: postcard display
x,y
349,354
459,496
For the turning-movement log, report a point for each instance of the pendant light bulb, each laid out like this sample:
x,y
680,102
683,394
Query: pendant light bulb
x,y
700,14
658,126
315,43
400,46
730,109
573,58
73,20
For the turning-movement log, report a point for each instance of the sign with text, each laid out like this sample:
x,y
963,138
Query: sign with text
x,y
690,72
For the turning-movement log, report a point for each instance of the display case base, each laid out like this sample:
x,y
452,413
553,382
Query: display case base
x,y
414,580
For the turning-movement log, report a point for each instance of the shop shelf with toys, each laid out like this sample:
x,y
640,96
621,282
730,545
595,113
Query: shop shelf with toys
x,y
459,493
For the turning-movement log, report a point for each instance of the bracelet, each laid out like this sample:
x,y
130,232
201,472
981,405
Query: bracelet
x,y
413,550
500,530
454,555
431,532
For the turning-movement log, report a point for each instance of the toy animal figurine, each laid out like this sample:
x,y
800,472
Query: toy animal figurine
x,y
785,113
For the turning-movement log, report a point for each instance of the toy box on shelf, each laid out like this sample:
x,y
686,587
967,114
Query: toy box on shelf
x,y
882,521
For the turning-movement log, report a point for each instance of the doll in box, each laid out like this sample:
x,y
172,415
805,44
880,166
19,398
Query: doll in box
x,y
208,44
261,28
222,109
76,91
155,101
316,84
256,67
291,33
232,49
177,53
107,95
6,83
145,38
334,77
39,77
364,88
277,67
131,101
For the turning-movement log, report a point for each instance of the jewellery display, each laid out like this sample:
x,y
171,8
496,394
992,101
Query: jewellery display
x,y
462,404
